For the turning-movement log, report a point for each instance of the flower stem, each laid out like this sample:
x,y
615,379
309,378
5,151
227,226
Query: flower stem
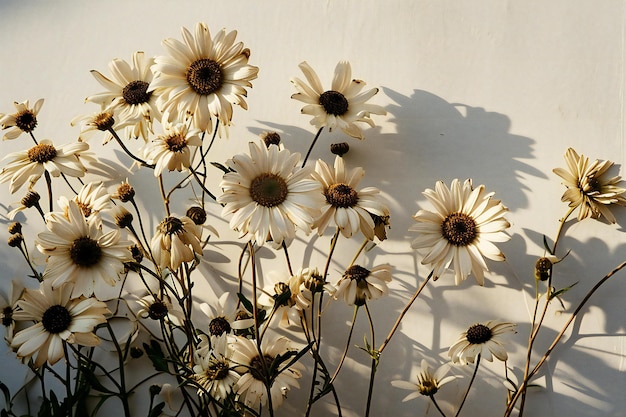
x,y
469,386
125,149
432,398
345,351
319,132
375,359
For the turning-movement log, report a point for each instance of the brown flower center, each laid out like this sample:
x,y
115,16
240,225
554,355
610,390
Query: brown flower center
x,y
171,226
31,199
197,214
341,195
125,192
176,142
26,121
56,319
428,387
269,190
136,92
334,102
459,229
7,316
357,273
478,333
218,326
217,370
104,121
594,185
258,363
85,252
42,153
157,310
85,208
204,76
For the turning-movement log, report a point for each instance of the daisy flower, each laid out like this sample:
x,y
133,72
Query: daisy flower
x,y
428,382
461,231
288,297
59,319
31,199
80,252
590,187
341,106
22,121
224,317
350,209
175,241
31,164
102,121
268,196
485,339
127,93
359,285
214,372
172,150
251,387
92,198
160,308
7,309
203,77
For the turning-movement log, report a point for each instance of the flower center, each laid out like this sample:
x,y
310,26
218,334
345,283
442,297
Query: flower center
x,y
257,364
204,76
217,370
157,310
269,190
357,273
56,319
171,226
85,251
136,92
341,195
125,192
427,387
42,153
30,199
594,185
176,142
334,102
85,208
104,121
218,326
7,316
459,229
478,333
26,121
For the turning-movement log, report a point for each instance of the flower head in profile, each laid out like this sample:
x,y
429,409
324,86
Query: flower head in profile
x,y
58,318
102,121
485,339
428,382
7,309
268,196
175,241
590,187
160,308
341,106
254,369
31,199
80,252
30,165
214,372
461,230
224,317
359,285
127,94
287,295
92,199
24,120
350,209
173,149
203,77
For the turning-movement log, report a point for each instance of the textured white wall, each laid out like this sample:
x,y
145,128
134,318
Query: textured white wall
x,y
495,90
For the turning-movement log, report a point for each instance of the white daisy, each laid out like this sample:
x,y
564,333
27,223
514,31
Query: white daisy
x,y
203,77
92,198
461,231
268,196
359,285
175,241
225,316
172,150
342,105
348,208
214,372
7,309
159,308
428,382
31,164
288,296
102,121
22,121
485,339
59,319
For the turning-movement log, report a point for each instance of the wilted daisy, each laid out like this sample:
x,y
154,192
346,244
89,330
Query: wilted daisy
x,y
80,252
127,93
268,196
223,318
92,198
253,367
172,150
350,209
214,372
342,105
31,164
461,231
485,339
175,241
23,120
590,187
7,308
102,121
287,295
428,382
203,77
58,318
359,285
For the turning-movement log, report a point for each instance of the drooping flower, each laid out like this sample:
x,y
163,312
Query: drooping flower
x,y
359,285
22,121
461,230
214,372
175,241
31,199
203,77
350,209
428,382
590,187
7,309
92,198
341,106
58,318
102,121
268,196
172,150
127,94
485,339
80,252
31,164
254,367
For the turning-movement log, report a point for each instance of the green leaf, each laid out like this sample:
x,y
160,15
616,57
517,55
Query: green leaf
x,y
246,303
546,246
561,291
93,380
157,410
225,169
155,353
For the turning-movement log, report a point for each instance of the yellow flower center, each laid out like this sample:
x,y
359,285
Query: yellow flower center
x,y
42,153
176,142
341,195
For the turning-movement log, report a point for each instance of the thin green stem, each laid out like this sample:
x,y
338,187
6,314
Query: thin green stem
x,y
345,350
